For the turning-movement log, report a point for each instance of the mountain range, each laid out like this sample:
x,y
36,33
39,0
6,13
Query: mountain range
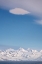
x,y
20,55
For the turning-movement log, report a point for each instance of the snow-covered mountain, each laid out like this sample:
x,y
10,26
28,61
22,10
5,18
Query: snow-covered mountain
x,y
20,55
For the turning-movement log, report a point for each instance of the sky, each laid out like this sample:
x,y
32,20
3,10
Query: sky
x,y
21,24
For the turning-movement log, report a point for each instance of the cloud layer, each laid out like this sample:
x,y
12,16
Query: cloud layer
x,y
20,54
33,6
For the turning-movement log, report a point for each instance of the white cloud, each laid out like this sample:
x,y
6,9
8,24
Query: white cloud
x,y
39,22
20,54
23,6
33,6
18,11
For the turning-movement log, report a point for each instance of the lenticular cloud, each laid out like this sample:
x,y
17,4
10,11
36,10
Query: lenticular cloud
x,y
20,55
18,11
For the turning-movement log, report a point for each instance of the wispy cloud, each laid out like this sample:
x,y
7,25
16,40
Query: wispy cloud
x,y
19,11
39,22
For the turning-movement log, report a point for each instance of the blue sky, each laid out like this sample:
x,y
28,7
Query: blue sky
x,y
20,30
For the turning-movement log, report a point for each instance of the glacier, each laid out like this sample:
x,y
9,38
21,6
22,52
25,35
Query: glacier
x,y
20,55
